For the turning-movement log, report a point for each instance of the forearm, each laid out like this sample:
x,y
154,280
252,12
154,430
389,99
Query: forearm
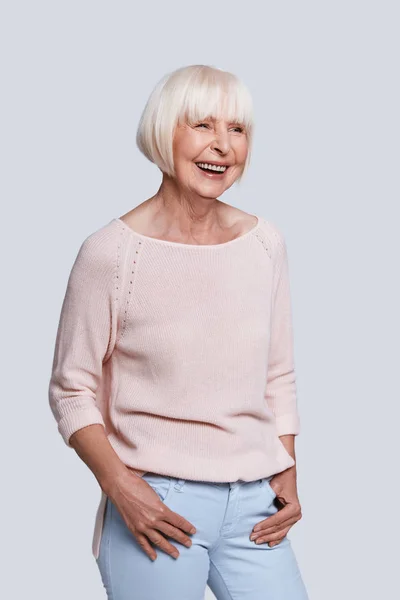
x,y
93,447
289,442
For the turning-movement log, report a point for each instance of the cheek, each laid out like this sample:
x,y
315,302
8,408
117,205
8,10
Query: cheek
x,y
187,145
185,169
241,152
183,163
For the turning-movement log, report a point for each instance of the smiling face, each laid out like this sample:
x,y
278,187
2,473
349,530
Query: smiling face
x,y
207,143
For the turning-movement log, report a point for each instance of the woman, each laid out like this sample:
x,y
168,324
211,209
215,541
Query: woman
x,y
173,373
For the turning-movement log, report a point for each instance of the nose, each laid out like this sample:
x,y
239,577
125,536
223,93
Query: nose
x,y
221,142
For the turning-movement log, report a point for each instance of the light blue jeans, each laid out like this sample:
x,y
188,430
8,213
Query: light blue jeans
x,y
222,555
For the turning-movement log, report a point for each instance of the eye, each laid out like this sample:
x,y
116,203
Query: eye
x,y
239,128
202,125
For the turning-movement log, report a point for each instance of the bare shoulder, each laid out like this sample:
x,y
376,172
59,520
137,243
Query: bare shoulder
x,y
239,221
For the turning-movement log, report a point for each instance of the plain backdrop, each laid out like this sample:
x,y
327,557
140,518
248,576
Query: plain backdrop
x,y
325,82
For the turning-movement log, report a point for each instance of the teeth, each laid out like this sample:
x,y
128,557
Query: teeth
x,y
218,168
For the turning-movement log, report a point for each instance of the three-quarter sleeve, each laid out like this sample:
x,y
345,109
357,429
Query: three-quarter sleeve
x,y
85,336
281,393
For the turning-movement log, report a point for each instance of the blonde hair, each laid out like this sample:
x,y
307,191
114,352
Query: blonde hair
x,y
191,93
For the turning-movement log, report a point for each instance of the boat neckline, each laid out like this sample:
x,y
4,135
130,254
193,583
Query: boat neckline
x,y
182,244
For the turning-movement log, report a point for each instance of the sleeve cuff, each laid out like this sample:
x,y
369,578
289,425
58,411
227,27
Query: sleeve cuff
x,y
75,421
288,424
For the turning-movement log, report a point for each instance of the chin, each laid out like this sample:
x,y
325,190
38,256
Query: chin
x,y
212,189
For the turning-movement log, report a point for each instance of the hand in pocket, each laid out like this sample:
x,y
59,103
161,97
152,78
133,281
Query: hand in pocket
x,y
147,517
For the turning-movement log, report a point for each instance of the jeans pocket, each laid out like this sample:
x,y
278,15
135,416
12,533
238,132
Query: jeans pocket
x,y
161,484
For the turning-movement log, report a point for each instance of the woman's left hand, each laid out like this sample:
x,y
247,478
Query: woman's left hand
x,y
275,527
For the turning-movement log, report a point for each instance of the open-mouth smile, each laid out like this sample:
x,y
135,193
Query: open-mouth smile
x,y
212,170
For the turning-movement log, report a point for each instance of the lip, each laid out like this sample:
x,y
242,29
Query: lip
x,y
214,176
208,162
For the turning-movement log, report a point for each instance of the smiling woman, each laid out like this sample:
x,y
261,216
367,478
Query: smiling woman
x,y
173,374
202,98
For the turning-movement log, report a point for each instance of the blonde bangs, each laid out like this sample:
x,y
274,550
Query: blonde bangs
x,y
217,94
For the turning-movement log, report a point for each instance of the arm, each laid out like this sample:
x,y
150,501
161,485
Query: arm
x,y
92,446
85,339
280,394
280,391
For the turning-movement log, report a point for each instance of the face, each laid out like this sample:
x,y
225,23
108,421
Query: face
x,y
210,142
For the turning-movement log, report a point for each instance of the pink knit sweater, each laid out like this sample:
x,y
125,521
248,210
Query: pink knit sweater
x,y
184,353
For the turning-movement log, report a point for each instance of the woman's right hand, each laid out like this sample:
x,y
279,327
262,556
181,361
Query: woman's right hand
x,y
146,515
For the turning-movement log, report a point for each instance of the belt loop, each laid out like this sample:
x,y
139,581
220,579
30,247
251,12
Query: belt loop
x,y
179,483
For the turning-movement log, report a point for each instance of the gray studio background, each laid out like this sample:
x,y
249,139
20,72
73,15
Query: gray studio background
x,y
324,78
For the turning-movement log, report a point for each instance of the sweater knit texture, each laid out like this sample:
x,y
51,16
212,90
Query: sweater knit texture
x,y
184,354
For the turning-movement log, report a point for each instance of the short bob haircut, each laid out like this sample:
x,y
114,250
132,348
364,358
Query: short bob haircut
x,y
191,94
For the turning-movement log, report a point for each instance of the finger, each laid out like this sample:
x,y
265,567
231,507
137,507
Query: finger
x,y
273,535
270,544
160,541
144,544
177,520
289,516
289,511
275,538
273,527
175,533
274,543
272,520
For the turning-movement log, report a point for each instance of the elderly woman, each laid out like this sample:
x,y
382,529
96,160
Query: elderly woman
x,y
173,373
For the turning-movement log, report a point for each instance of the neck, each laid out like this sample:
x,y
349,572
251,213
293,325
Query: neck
x,y
184,209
